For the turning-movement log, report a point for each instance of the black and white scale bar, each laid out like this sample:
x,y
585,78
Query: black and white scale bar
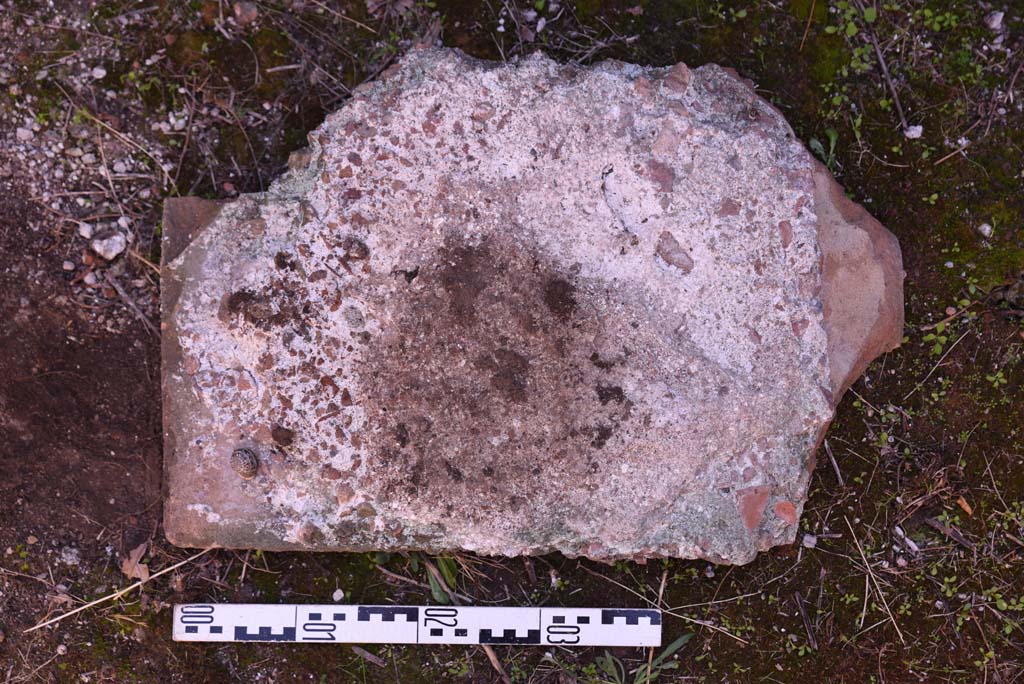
x,y
417,624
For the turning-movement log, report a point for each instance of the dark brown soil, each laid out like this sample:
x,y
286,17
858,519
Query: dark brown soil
x,y
79,421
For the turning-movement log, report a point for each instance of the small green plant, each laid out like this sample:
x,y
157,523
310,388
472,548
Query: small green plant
x,y
611,667
793,645
819,149
996,379
937,338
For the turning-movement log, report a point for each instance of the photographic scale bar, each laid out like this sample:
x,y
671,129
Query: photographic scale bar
x,y
347,624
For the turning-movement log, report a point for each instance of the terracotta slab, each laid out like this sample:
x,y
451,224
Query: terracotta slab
x,y
516,309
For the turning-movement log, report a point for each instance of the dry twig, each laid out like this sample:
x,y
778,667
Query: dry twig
x,y
885,69
130,303
874,580
119,593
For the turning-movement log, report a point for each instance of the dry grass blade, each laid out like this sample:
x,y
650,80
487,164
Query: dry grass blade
x,y
874,580
885,70
422,585
117,594
935,367
130,303
85,112
368,657
807,28
684,618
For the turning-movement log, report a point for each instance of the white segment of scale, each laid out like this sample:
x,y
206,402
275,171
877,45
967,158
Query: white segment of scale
x,y
332,623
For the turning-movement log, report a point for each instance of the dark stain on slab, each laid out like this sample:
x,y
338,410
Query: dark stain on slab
x,y
486,368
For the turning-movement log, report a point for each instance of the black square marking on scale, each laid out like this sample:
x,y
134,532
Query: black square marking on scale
x,y
632,615
509,636
191,629
558,620
436,631
314,616
461,632
216,629
388,613
583,620
264,634
339,617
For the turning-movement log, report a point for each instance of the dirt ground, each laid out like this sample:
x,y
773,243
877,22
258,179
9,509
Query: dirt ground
x,y
909,560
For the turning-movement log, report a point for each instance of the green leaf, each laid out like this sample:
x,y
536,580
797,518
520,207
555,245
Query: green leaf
x,y
851,29
448,570
612,667
439,594
870,14
670,649
833,138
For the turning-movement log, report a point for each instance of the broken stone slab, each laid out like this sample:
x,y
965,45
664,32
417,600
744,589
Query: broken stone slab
x,y
520,308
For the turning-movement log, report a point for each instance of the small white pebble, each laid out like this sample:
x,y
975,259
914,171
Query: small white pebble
x,y
90,278
68,265
914,132
119,167
337,595
98,72
23,134
109,247
985,229
810,541
62,649
994,21
85,230
949,264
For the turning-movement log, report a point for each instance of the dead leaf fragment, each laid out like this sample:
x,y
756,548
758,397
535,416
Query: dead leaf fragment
x,y
131,566
962,503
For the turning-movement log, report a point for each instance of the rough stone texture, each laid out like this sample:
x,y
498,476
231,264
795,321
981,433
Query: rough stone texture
x,y
513,309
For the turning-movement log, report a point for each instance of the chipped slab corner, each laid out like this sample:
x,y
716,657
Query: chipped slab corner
x,y
516,309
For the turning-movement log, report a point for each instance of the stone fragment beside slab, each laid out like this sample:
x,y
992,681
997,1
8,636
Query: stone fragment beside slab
x,y
520,308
